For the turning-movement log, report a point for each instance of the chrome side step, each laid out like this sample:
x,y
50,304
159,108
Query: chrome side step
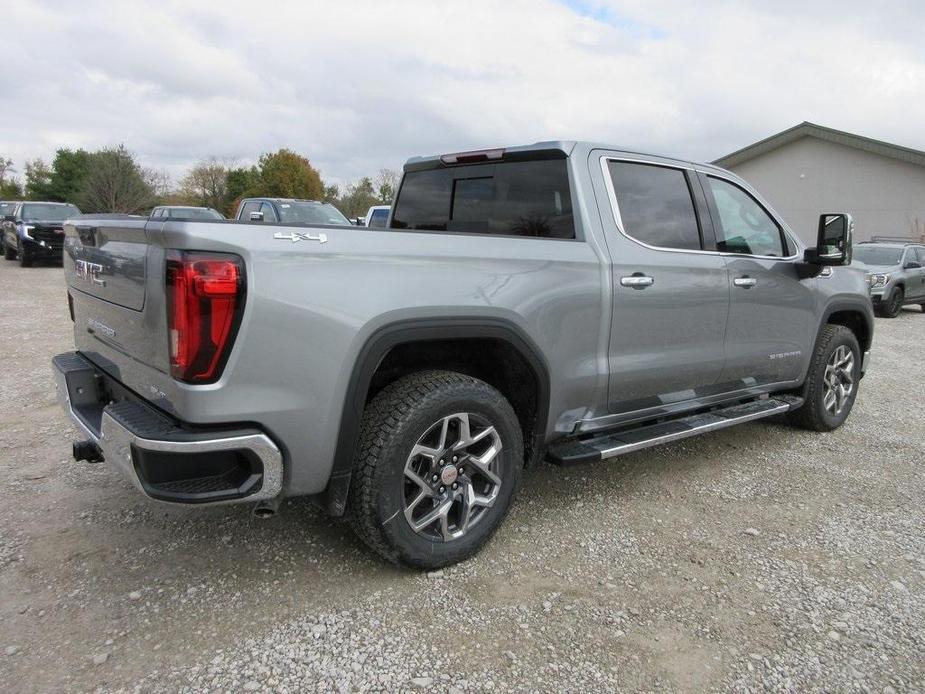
x,y
610,445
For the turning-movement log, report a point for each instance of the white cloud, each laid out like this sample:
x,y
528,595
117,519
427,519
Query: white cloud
x,y
357,86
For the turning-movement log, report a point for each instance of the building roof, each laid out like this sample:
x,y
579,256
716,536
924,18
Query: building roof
x,y
806,129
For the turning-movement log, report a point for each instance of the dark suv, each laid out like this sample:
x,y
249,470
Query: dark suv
x,y
32,230
895,273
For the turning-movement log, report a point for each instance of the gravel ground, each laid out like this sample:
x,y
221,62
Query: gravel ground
x,y
757,558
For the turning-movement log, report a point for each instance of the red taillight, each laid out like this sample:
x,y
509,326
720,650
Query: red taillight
x,y
205,296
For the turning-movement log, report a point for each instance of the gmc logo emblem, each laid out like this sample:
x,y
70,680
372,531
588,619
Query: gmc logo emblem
x,y
92,272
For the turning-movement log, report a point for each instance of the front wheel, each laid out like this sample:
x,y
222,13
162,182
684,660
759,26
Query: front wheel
x,y
439,460
893,304
25,260
833,379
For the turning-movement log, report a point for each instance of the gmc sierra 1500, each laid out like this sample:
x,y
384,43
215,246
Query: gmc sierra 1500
x,y
563,300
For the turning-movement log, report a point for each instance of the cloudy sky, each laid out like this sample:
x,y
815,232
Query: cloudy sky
x,y
357,86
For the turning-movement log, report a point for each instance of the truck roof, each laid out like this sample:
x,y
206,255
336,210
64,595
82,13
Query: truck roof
x,y
544,149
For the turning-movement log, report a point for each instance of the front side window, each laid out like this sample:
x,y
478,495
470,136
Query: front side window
x,y
920,254
525,198
655,204
744,226
252,206
269,214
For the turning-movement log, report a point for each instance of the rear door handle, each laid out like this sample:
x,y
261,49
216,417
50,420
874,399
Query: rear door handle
x,y
637,281
745,281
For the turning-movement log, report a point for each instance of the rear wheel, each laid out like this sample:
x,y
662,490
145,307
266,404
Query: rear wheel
x,y
439,460
894,304
833,379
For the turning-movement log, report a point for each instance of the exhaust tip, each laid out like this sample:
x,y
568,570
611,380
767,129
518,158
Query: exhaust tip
x,y
86,451
267,509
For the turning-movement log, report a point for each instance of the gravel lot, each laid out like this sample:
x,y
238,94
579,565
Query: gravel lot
x,y
761,557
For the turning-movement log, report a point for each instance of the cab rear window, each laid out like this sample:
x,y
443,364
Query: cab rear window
x,y
525,198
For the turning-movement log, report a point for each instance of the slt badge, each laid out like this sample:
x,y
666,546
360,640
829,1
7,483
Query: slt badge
x,y
295,237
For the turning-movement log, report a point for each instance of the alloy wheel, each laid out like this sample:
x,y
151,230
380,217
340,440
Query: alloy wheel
x,y
838,382
451,476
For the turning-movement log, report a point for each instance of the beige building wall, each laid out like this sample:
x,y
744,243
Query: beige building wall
x,y
809,176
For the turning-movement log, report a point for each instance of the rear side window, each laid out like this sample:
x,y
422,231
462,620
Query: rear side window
x,y
655,205
920,252
744,226
528,198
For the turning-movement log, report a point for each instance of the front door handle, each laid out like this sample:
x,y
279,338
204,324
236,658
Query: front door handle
x,y
638,281
745,281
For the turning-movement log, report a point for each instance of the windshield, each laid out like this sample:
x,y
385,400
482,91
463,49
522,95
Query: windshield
x,y
311,213
48,213
193,213
872,255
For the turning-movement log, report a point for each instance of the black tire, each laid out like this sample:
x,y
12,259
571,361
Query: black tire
x,y
894,304
9,253
25,260
394,422
814,414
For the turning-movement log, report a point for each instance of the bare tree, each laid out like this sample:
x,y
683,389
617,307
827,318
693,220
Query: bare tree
x,y
387,185
6,167
207,183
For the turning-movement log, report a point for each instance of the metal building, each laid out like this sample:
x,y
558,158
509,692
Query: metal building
x,y
810,169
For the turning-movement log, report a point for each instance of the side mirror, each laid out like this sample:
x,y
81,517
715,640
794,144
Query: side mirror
x,y
833,242
256,216
912,265
9,218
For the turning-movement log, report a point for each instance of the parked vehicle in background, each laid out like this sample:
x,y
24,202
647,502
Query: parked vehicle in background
x,y
35,230
377,216
562,300
185,212
7,207
289,211
895,272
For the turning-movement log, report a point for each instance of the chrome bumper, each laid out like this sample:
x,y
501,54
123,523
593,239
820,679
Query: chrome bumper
x,y
116,442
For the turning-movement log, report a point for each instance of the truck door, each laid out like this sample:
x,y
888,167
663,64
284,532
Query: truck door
x,y
772,319
670,287
916,283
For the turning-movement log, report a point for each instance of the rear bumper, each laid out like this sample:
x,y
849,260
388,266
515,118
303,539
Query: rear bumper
x,y
163,458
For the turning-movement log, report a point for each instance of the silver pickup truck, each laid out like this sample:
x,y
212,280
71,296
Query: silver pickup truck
x,y
564,301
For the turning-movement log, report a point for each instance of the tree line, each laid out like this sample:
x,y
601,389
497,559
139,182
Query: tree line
x,y
112,180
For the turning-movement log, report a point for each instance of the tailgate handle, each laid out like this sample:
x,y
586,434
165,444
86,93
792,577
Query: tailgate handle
x,y
87,235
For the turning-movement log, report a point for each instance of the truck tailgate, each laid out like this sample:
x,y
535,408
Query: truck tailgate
x,y
106,269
